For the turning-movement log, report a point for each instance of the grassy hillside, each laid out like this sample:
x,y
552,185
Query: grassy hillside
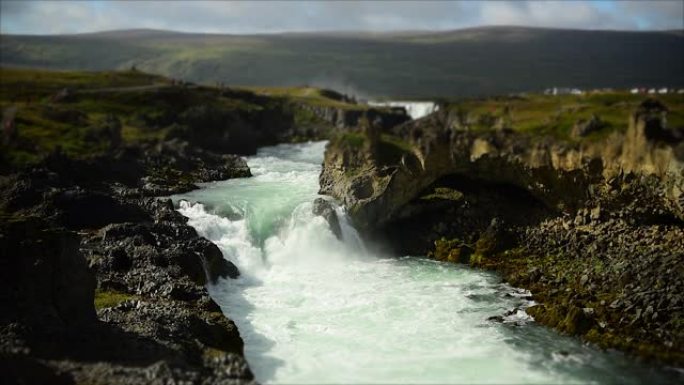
x,y
88,113
138,107
556,115
309,95
480,61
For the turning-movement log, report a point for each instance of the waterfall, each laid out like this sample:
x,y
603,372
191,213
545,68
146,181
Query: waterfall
x,y
414,109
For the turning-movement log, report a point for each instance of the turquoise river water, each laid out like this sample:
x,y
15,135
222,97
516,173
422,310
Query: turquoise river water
x,y
314,309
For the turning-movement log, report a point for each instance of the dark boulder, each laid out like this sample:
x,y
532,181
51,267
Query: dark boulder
x,y
45,279
325,209
79,209
496,238
163,243
212,262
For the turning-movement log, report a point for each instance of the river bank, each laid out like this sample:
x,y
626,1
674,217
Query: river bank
x,y
103,282
591,223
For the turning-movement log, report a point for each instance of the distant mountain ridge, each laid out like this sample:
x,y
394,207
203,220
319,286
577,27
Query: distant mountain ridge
x,y
412,64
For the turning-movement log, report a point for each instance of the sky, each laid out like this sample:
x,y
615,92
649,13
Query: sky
x,y
240,17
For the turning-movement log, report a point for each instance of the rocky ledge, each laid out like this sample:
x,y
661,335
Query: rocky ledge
x,y
102,284
592,227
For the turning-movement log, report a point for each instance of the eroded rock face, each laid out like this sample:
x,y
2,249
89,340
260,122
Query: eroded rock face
x,y
555,173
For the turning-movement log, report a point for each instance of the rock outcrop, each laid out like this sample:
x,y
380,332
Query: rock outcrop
x,y
104,285
591,227
350,118
557,174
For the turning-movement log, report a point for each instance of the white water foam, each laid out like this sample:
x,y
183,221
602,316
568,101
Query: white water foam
x,y
315,309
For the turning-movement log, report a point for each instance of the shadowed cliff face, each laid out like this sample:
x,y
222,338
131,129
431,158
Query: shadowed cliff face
x,y
39,266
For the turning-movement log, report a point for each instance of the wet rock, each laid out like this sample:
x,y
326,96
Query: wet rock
x,y
596,237
452,250
325,209
213,262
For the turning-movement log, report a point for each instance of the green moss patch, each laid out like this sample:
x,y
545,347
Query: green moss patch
x,y
105,298
443,193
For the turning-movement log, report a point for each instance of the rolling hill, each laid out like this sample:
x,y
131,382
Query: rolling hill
x,y
469,62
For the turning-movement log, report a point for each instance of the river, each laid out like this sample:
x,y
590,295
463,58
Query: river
x,y
313,309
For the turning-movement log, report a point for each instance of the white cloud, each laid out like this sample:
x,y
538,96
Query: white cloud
x,y
46,17
558,14
654,14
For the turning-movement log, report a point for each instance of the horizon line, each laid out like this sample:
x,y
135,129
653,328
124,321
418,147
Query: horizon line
x,y
346,31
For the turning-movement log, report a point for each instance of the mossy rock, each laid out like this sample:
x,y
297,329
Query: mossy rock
x,y
108,298
486,245
572,321
451,250
443,193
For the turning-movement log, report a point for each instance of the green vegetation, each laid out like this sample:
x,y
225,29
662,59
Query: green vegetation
x,y
307,95
557,115
22,85
105,298
443,193
86,113
62,109
354,140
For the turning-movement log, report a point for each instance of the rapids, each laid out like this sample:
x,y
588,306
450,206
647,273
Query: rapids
x,y
313,309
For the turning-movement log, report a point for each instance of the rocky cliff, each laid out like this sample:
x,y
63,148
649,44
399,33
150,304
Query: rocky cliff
x,y
437,151
349,119
592,225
